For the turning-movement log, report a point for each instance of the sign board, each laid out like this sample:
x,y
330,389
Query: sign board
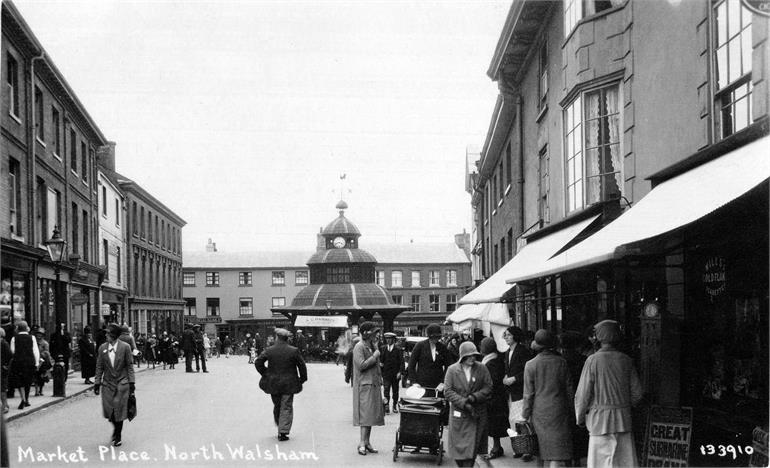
x,y
759,439
194,319
323,321
758,6
669,431
78,299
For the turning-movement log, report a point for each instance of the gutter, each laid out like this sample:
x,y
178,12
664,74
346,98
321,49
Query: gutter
x,y
32,144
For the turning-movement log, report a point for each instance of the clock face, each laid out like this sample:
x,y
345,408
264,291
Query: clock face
x,y
339,242
651,310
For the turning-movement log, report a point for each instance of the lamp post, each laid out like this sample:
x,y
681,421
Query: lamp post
x,y
57,249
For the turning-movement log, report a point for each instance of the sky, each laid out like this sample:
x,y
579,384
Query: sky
x,y
241,116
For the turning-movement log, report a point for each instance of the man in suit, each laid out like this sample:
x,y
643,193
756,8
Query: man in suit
x,y
188,346
200,351
282,378
515,359
429,360
392,362
114,380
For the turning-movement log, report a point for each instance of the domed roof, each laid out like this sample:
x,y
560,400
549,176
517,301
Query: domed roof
x,y
343,296
341,256
341,226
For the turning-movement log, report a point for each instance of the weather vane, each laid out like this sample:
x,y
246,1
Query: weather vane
x,y
343,177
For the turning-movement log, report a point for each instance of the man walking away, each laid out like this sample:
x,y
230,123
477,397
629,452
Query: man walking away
x,y
608,387
392,361
282,378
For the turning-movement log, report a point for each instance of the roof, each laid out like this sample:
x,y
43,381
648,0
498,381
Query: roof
x,y
266,259
411,253
341,256
348,296
341,225
131,186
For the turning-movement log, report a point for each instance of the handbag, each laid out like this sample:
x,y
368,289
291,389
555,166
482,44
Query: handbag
x,y
525,440
131,407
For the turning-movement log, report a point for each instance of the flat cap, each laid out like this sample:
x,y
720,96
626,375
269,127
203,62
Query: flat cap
x,y
282,332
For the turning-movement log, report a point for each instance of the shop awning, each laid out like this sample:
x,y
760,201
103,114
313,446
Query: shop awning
x,y
322,321
493,312
532,256
674,203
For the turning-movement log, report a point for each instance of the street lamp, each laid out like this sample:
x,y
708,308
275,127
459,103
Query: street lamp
x,y
57,249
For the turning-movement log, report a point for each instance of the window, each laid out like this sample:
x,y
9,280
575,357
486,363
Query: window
x,y
189,306
500,173
106,253
338,275
398,299
451,277
212,306
733,64
279,301
415,279
156,238
142,231
495,257
502,251
212,278
188,278
12,80
14,196
134,220
544,187
117,212
575,10
508,157
163,233
416,302
543,69
118,264
56,130
246,306
53,211
510,243
104,201
86,242
451,302
75,228
380,278
592,124
84,162
434,302
395,279
244,278
73,151
434,278
279,278
39,115
300,278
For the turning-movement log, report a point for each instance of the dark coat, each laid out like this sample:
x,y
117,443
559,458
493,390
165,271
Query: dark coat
x,y
188,341
23,365
114,379
497,406
467,420
423,369
5,364
392,361
285,371
514,367
87,349
60,345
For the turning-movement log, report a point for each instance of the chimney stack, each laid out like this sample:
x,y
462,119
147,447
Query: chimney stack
x,y
105,156
320,241
211,246
463,240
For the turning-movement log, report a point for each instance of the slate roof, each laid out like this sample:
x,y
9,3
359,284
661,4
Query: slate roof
x,y
267,259
341,225
342,256
350,296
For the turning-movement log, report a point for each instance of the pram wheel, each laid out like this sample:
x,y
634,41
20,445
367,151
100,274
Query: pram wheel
x,y
440,452
395,448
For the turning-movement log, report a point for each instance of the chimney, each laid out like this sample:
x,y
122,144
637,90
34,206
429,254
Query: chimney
x,y
211,246
320,241
105,156
463,240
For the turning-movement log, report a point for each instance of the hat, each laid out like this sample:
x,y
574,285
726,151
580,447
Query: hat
x,y
433,330
282,332
299,331
389,335
40,330
544,339
468,349
367,329
488,345
608,331
517,333
113,330
197,325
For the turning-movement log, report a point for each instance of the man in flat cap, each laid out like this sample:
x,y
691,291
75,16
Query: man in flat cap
x,y
282,378
608,388
392,362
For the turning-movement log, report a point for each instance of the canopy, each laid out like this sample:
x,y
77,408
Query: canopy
x,y
672,204
532,256
323,321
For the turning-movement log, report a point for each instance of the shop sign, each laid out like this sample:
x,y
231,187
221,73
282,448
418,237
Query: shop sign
x,y
194,319
714,276
79,299
758,6
759,438
669,432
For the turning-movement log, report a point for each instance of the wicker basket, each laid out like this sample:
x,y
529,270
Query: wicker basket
x,y
525,441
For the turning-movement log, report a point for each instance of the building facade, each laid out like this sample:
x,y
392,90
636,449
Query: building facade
x,y
608,182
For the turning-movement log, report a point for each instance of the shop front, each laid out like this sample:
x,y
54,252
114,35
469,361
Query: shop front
x,y
84,299
17,278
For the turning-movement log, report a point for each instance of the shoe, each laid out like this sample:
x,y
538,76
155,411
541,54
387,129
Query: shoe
x,y
517,455
283,437
205,372
526,458
117,442
387,410
361,450
21,405
395,409
371,449
495,454
26,403
189,371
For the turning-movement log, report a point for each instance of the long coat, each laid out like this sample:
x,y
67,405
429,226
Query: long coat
x,y
87,348
25,360
548,404
514,367
114,379
423,369
497,406
285,372
467,426
368,409
392,361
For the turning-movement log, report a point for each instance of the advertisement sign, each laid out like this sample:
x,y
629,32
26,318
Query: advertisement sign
x,y
669,432
322,321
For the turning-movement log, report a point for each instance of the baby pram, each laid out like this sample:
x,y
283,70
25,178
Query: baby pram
x,y
420,428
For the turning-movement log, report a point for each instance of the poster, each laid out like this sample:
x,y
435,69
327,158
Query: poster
x,y
669,432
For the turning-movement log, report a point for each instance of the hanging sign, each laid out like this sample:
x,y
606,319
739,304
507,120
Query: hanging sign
x,y
714,276
669,433
758,6
78,299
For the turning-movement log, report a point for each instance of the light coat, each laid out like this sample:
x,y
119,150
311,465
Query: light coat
x,y
467,425
114,379
548,404
368,408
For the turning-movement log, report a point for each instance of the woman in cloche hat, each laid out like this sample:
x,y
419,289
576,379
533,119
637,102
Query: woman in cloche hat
x,y
367,386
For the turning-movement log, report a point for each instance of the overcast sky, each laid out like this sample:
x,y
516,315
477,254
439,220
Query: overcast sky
x,y
241,116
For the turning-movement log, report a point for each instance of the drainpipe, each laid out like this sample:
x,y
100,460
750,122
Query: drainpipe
x,y
521,160
31,138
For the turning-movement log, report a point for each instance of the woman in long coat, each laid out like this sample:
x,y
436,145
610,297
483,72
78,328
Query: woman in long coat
x,y
467,386
87,347
115,380
368,410
26,357
548,400
497,405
